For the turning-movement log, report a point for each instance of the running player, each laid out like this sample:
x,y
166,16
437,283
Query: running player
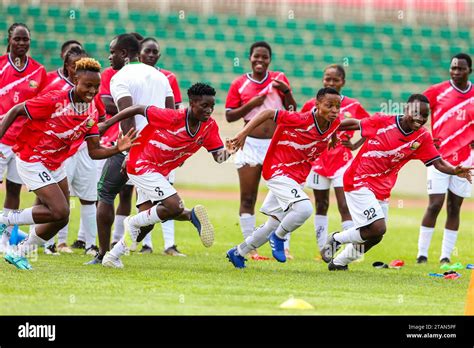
x,y
391,141
58,123
299,138
250,94
150,53
330,166
170,137
452,124
135,83
21,78
80,169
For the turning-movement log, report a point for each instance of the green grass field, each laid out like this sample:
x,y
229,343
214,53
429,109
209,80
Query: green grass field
x,y
205,283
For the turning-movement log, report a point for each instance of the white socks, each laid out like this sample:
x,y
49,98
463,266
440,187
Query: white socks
x,y
146,218
258,237
29,243
286,244
62,234
118,228
298,213
449,241
81,235
119,249
247,224
352,235
167,228
321,223
424,240
347,224
20,217
349,254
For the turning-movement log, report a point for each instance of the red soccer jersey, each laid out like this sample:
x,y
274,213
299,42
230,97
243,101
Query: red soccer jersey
x,y
334,162
387,149
55,129
16,86
56,81
296,143
174,85
452,120
166,142
112,133
244,88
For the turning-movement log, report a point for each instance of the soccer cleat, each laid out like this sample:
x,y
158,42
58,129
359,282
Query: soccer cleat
x,y
421,259
235,258
330,248
92,250
173,251
278,247
111,261
51,250
63,248
131,234
146,249
18,261
334,267
97,260
78,244
444,260
201,221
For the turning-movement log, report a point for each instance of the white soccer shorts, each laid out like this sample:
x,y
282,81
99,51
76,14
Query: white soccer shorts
x,y
440,183
253,153
35,175
365,208
152,187
82,175
8,164
283,192
316,181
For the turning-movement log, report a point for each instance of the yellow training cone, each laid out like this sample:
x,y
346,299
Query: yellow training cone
x,y
296,303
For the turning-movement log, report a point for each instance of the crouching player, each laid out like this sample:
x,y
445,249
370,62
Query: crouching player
x,y
298,140
391,142
58,122
170,137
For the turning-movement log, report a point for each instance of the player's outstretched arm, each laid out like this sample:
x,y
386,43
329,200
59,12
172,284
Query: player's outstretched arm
x,y
445,167
124,143
239,140
349,124
122,115
10,117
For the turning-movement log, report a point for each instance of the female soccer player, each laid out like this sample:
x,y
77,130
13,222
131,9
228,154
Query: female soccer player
x,y
392,141
248,95
330,166
169,138
21,78
150,53
80,169
299,138
58,123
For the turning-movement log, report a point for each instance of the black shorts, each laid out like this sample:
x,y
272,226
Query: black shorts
x,y
112,179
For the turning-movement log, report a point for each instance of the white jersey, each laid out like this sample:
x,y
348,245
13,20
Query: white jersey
x,y
145,84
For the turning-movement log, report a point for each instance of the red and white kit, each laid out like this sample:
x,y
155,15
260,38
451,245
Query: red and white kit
x,y
165,143
241,91
452,124
331,165
54,132
16,86
297,142
372,174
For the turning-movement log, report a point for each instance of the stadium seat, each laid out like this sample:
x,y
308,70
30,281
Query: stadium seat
x,y
171,51
40,28
180,34
386,95
298,72
90,47
213,20
377,77
271,23
14,10
55,12
308,57
60,28
230,54
190,52
416,78
200,35
210,52
94,14
397,78
50,45
113,15
34,11
217,68
290,24
219,36
233,21
318,41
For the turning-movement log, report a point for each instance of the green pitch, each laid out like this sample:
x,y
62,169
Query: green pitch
x,y
205,283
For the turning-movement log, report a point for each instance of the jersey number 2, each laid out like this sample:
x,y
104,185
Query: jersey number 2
x,y
295,192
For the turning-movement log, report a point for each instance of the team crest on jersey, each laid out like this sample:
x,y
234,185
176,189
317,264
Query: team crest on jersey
x,y
200,141
33,84
347,114
415,145
90,123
